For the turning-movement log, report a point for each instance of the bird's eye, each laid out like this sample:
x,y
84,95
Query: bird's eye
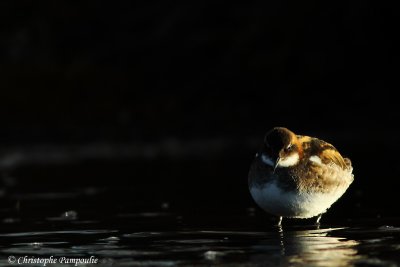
x,y
288,148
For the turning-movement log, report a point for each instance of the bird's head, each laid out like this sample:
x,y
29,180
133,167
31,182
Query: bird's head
x,y
281,148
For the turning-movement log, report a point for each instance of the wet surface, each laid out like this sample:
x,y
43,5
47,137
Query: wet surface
x,y
151,213
164,237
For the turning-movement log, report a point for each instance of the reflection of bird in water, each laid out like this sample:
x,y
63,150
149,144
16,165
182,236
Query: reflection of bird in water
x,y
297,176
306,248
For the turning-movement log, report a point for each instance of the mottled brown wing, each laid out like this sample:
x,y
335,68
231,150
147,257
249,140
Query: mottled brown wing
x,y
327,152
332,155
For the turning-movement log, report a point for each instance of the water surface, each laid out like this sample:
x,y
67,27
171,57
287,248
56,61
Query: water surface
x,y
165,238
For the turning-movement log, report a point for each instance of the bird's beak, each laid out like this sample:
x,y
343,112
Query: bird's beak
x,y
276,163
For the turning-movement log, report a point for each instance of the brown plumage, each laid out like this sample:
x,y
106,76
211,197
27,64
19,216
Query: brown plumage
x,y
301,169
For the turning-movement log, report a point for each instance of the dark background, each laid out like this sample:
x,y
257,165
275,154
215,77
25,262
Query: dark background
x,y
159,102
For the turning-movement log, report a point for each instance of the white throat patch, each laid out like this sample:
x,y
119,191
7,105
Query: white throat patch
x,y
289,161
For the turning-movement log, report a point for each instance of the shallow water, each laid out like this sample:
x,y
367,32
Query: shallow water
x,y
150,214
164,238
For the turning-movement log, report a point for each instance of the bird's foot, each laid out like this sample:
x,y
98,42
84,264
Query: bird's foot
x,y
279,224
317,221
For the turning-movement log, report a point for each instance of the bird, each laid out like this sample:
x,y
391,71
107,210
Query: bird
x,y
295,176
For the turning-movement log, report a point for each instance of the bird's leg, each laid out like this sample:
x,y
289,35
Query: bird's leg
x,y
318,219
279,221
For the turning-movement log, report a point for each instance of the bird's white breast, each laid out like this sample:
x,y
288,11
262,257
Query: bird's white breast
x,y
291,203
